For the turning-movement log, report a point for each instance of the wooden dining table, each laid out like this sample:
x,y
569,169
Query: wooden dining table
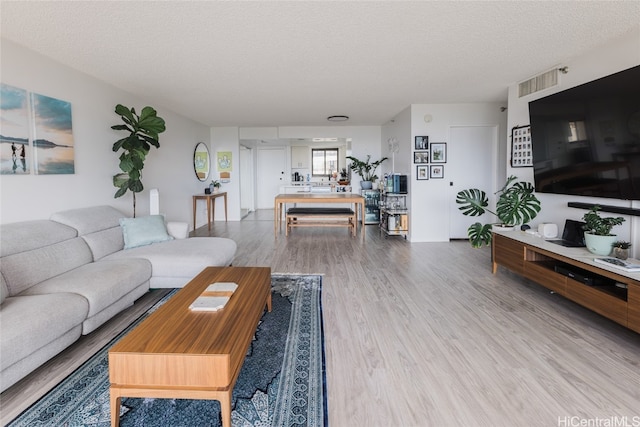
x,y
281,201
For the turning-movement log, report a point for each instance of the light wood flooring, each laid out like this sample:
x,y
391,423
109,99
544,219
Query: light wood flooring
x,y
422,334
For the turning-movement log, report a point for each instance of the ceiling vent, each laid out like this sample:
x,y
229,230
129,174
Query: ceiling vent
x,y
537,83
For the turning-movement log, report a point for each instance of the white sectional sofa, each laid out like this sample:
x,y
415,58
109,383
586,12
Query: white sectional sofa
x,y
64,277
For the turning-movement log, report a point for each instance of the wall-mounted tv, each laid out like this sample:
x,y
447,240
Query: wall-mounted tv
x,y
586,140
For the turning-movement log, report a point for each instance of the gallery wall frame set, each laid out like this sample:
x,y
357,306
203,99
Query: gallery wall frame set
x,y
37,134
429,158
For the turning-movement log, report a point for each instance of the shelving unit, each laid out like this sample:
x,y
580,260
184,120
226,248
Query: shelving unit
x,y
571,273
371,206
394,215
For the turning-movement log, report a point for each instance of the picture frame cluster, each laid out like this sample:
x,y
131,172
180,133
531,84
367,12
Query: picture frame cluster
x,y
429,158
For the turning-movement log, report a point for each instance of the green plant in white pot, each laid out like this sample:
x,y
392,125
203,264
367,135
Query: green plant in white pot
x,y
516,205
366,169
597,231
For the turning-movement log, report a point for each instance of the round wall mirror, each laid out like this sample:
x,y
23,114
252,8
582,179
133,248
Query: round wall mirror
x,y
201,161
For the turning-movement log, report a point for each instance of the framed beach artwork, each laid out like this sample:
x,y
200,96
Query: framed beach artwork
x,y
15,151
52,135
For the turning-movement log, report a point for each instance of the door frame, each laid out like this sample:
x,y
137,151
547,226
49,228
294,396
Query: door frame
x,y
495,173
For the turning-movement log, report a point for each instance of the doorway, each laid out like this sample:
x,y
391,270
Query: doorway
x,y
473,151
247,181
271,171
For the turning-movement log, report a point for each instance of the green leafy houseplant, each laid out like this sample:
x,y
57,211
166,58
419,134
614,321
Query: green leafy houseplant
x,y
143,132
597,231
595,224
621,244
516,204
365,168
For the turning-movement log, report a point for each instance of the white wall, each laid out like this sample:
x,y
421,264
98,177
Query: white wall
x,y
430,200
364,139
169,168
610,58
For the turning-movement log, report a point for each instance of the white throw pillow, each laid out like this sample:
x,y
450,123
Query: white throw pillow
x,y
143,231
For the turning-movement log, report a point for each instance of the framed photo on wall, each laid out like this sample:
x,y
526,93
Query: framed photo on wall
x,y
422,172
422,143
420,157
437,172
438,152
521,151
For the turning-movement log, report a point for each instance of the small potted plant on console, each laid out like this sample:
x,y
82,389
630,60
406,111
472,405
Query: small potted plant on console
x,y
621,249
597,231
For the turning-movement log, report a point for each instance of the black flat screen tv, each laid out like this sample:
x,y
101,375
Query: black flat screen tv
x,y
586,140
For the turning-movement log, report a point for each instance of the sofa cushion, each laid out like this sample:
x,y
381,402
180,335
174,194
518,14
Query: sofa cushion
x,y
101,283
4,292
99,226
183,257
28,323
25,269
28,235
143,231
89,220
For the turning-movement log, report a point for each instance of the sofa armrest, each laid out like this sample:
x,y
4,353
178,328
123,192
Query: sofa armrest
x,y
178,230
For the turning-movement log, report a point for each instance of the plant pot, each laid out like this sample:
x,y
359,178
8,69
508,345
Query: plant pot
x,y
621,253
503,227
599,245
366,185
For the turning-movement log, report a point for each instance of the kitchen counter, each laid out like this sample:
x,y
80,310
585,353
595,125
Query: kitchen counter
x,y
314,187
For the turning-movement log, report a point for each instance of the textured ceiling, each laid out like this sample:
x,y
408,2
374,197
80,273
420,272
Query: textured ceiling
x,y
294,63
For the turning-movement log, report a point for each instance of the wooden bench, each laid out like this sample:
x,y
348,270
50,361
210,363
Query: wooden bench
x,y
320,217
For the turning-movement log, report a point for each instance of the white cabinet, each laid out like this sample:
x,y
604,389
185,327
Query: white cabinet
x,y
300,157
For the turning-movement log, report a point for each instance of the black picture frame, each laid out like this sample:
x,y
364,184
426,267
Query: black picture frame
x,y
421,157
521,148
438,152
421,143
436,172
422,172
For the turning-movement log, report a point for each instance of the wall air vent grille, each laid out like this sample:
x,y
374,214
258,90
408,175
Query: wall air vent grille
x,y
538,83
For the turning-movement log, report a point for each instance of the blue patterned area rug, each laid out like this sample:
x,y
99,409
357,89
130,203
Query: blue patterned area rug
x,y
282,381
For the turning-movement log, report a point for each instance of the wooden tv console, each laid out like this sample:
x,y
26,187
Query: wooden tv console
x,y
537,260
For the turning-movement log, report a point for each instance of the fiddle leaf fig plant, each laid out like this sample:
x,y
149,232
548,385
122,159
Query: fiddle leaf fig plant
x,y
143,132
516,204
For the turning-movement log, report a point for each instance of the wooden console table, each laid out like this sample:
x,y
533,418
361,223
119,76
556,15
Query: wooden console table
x,y
538,260
210,200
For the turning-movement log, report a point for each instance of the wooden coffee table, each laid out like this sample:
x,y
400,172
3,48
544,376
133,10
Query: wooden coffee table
x,y
177,353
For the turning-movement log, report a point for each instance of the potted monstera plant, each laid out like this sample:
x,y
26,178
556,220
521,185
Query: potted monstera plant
x,y
366,169
143,132
516,204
